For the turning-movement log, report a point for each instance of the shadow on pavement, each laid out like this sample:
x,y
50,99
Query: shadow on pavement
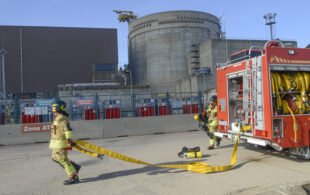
x,y
89,162
248,161
268,151
150,170
306,187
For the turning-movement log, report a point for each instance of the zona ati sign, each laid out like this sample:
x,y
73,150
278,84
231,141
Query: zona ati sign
x,y
31,128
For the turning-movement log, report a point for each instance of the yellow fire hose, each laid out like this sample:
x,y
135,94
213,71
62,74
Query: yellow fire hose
x,y
198,167
291,82
286,110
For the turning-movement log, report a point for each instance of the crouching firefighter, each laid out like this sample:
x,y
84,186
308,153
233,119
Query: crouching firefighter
x,y
61,142
211,114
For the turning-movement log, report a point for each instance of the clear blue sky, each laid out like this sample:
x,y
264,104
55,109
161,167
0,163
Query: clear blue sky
x,y
243,18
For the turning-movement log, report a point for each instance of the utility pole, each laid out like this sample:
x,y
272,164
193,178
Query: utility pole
x,y
133,96
21,60
270,20
130,80
3,52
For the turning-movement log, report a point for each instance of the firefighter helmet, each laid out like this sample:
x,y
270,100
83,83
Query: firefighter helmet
x,y
59,105
213,98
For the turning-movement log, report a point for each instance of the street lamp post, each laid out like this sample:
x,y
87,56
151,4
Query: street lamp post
x,y
270,20
130,80
133,97
3,52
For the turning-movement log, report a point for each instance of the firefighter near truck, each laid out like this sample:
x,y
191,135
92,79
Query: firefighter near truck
x,y
269,90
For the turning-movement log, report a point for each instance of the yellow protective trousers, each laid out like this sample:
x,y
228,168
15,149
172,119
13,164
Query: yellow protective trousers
x,y
212,137
60,156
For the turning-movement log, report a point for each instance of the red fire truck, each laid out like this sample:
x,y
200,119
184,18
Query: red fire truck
x,y
268,91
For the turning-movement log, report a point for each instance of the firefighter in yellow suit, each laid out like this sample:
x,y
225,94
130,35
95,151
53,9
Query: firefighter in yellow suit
x,y
211,112
61,142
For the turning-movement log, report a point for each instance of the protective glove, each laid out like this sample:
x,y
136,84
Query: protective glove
x,y
70,142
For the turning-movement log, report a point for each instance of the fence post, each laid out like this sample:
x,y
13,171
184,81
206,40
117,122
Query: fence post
x,y
2,114
71,109
200,101
96,106
168,103
17,110
133,103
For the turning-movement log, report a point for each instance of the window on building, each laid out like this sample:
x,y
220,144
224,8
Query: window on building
x,y
104,67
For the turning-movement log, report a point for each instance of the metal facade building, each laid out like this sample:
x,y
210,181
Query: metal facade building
x,y
40,58
159,45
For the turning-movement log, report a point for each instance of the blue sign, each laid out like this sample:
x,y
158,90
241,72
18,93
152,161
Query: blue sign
x,y
44,102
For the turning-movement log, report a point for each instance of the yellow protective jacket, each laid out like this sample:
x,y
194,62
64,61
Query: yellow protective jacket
x,y
60,132
212,116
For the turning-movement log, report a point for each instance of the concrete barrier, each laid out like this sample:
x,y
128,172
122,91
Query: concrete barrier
x,y
90,129
98,129
12,134
148,125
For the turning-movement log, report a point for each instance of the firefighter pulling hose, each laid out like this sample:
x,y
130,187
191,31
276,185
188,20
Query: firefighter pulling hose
x,y
62,141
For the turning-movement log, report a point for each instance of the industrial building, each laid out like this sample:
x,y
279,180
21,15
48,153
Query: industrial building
x,y
159,44
40,58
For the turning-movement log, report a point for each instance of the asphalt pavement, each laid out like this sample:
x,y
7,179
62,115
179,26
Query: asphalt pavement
x,y
28,169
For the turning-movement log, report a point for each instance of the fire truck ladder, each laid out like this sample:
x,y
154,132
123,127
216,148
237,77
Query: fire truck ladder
x,y
250,94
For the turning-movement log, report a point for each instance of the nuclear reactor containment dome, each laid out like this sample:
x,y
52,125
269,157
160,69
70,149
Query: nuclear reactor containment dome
x,y
159,45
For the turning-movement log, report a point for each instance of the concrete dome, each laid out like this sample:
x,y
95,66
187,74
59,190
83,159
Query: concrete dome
x,y
159,45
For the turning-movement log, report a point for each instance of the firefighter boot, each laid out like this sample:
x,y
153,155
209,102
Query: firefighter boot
x,y
72,180
212,141
218,141
76,166
211,147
